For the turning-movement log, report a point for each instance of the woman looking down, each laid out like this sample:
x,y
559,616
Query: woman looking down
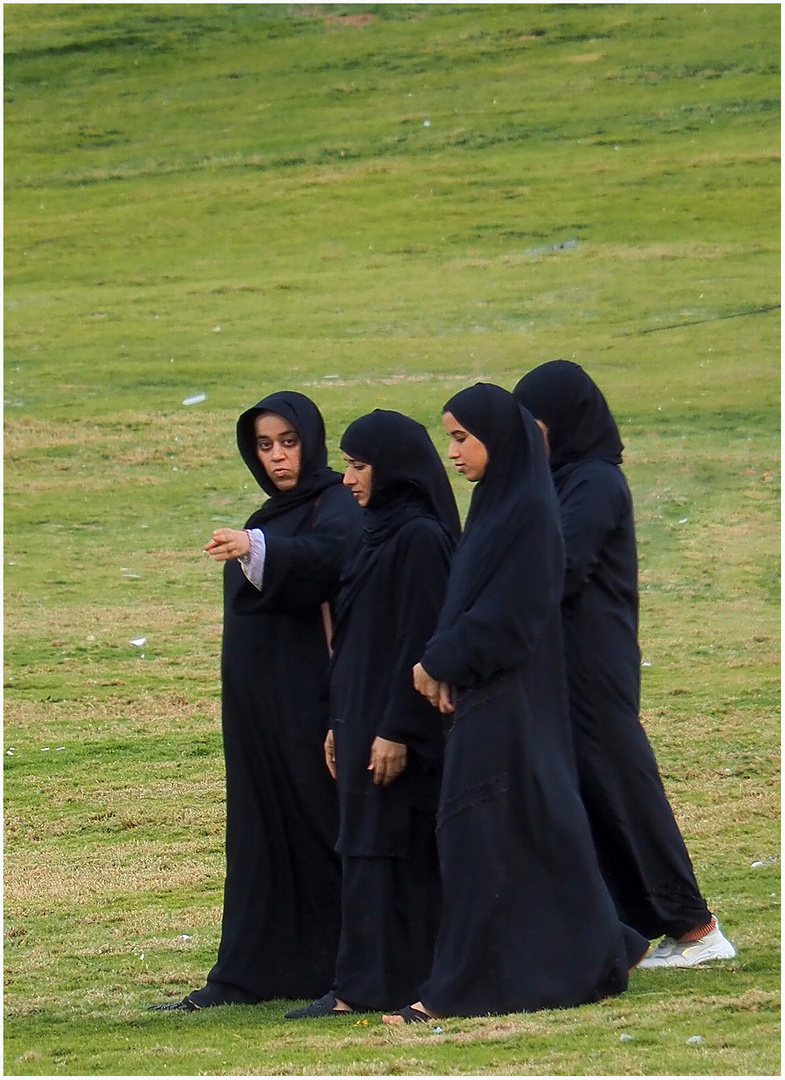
x,y
386,743
641,850
527,921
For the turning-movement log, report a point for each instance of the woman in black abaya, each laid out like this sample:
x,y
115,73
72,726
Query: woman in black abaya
x,y
281,916
385,745
527,922
642,853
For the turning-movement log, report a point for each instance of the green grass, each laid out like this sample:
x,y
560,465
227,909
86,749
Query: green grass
x,y
375,204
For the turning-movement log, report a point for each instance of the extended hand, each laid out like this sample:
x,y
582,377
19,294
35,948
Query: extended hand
x,y
228,544
388,760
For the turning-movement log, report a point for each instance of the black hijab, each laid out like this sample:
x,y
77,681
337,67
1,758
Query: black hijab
x,y
513,509
315,475
409,481
580,424
408,473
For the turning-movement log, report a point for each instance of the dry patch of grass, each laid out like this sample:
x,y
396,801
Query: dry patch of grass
x,y
109,717
398,378
139,867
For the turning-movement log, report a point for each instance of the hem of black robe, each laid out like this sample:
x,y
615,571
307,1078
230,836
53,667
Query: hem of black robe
x,y
616,985
653,914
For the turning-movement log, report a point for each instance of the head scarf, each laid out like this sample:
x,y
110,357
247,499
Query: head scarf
x,y
408,475
408,481
315,475
580,424
512,507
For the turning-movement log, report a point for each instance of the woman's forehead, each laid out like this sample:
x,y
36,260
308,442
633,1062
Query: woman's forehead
x,y
450,423
271,424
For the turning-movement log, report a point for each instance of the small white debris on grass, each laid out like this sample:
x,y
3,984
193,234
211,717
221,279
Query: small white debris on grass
x,y
624,1037
138,641
758,862
195,399
695,1040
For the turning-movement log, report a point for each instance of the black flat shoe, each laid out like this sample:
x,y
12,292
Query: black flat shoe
x,y
186,1005
325,1006
410,1016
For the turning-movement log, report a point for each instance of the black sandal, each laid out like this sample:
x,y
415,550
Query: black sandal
x,y
325,1006
413,1016
186,1005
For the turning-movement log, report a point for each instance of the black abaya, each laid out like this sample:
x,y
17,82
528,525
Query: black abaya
x,y
641,851
281,914
387,610
528,922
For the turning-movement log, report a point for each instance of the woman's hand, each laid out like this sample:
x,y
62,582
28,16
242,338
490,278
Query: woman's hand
x,y
438,693
388,760
329,754
228,544
445,698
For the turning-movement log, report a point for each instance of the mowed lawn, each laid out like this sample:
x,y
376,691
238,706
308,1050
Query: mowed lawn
x,y
375,205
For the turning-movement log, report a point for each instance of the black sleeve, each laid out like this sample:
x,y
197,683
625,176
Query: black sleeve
x,y
421,581
305,569
491,636
590,510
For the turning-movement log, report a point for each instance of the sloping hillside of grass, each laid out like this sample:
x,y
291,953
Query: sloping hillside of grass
x,y
377,205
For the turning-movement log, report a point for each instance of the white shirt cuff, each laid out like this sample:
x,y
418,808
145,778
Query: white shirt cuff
x,y
253,562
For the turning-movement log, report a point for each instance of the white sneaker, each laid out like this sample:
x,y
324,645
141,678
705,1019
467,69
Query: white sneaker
x,y
671,953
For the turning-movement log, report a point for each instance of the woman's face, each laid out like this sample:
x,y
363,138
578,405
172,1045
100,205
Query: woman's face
x,y
466,451
358,478
279,449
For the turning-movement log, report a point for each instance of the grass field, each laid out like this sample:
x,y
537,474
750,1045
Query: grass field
x,y
376,205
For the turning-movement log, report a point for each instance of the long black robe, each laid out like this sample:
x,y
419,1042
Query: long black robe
x,y
641,850
528,922
281,916
387,610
